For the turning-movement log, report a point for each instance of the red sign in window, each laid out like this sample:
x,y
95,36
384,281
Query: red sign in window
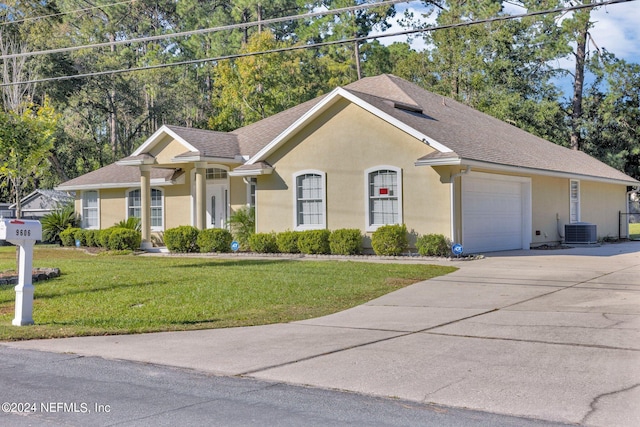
x,y
384,191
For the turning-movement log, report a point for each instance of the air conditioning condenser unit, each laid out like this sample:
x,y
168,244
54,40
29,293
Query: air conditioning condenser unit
x,y
580,232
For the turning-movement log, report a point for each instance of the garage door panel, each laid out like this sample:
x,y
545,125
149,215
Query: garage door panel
x,y
493,212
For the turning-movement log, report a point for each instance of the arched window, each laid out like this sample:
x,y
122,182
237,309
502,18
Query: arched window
x,y
384,196
310,200
134,207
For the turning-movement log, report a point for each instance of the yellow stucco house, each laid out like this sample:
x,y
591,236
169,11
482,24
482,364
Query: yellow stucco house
x,y
378,151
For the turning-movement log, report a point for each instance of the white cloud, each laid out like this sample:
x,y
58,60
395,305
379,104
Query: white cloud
x,y
617,29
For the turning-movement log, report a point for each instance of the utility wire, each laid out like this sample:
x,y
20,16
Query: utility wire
x,y
34,18
321,44
209,30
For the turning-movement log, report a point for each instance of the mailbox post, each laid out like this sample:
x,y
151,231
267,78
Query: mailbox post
x,y
23,233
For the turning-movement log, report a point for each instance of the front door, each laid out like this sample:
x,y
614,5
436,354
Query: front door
x,y
217,205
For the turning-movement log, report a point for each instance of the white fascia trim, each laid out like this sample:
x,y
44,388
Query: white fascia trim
x,y
251,172
517,169
154,182
326,103
191,159
153,140
135,162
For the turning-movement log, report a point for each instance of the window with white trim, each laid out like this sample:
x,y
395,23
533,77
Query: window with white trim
x,y
310,200
574,201
90,210
384,196
134,207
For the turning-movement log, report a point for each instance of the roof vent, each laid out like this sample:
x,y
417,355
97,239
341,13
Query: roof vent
x,y
580,232
407,107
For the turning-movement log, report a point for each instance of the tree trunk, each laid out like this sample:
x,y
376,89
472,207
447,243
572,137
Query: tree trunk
x,y
578,83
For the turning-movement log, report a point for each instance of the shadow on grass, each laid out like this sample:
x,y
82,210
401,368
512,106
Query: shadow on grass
x,y
233,263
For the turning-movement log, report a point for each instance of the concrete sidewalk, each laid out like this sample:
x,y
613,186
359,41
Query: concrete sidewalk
x,y
552,335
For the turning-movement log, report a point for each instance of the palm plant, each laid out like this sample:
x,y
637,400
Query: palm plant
x,y
132,223
242,224
61,218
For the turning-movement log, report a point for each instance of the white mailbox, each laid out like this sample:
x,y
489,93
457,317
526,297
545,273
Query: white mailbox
x,y
20,229
23,233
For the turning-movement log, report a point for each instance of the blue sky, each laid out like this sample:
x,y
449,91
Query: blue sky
x,y
616,29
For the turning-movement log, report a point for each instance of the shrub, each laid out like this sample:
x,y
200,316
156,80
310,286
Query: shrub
x,y
433,245
60,219
67,237
214,240
287,242
123,239
92,237
103,237
390,240
346,241
242,224
80,236
182,239
263,243
314,242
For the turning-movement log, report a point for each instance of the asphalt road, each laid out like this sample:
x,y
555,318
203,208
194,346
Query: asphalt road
x,y
50,389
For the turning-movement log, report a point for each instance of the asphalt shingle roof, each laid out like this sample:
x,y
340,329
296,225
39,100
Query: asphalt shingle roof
x,y
470,134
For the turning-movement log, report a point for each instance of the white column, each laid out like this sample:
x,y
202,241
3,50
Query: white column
x,y
201,195
145,196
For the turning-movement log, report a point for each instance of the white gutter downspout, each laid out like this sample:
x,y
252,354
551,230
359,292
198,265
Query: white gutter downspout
x,y
452,180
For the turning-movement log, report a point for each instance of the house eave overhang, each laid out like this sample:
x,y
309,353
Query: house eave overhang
x,y
328,101
498,167
136,162
209,159
251,172
81,187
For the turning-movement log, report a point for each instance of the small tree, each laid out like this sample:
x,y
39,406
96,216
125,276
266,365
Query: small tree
x,y
60,219
25,143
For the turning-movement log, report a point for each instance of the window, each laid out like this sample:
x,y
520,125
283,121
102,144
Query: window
x,y
574,201
310,200
384,196
251,192
216,173
134,207
90,217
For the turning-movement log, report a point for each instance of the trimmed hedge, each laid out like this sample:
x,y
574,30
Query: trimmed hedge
x,y
287,242
68,236
103,238
312,242
433,245
263,243
346,241
182,239
214,240
124,239
390,240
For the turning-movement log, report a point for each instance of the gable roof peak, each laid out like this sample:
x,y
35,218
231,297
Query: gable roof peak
x,y
385,86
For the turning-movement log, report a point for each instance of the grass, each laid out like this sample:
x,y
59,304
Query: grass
x,y
634,231
98,295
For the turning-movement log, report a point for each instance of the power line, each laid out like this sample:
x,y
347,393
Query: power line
x,y
35,18
322,44
208,30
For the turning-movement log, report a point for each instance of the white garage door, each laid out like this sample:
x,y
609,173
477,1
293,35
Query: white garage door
x,y
495,213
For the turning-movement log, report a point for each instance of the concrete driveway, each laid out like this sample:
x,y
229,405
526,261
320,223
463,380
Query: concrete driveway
x,y
552,335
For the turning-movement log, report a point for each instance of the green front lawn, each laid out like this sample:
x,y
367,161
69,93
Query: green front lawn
x,y
99,295
634,231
